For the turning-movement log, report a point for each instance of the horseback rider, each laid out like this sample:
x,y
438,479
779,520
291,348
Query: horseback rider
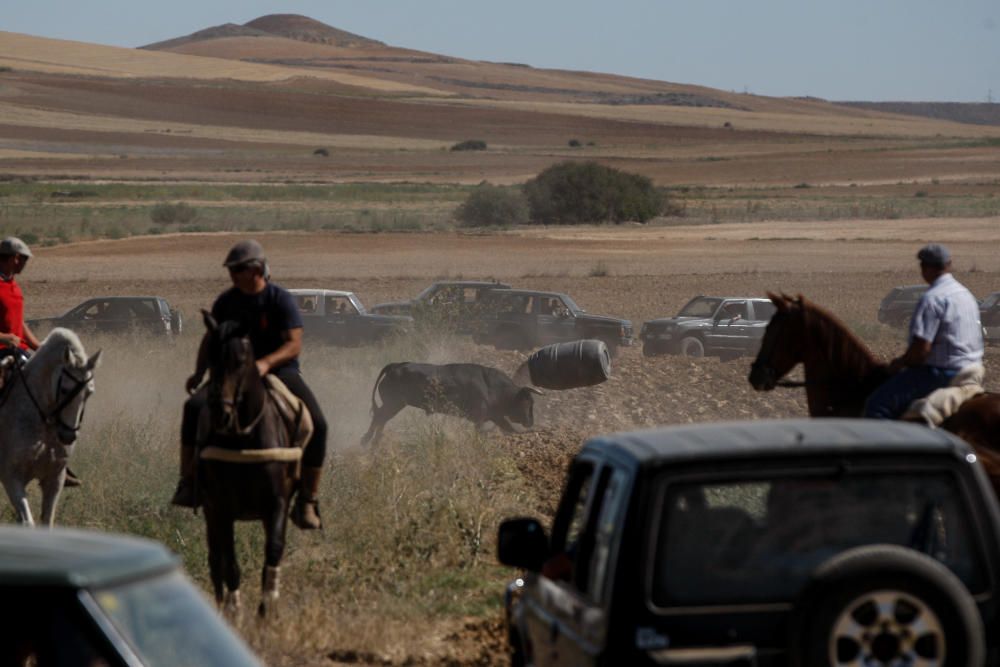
x,y
16,338
269,313
945,337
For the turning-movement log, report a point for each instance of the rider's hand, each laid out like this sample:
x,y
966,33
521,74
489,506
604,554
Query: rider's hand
x,y
192,383
263,367
10,340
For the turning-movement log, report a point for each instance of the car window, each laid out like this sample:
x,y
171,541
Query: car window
x,y
95,310
759,541
763,311
308,303
515,304
734,310
700,307
609,509
340,305
168,623
49,628
144,309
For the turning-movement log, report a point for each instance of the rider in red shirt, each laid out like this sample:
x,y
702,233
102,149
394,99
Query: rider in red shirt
x,y
14,333
16,338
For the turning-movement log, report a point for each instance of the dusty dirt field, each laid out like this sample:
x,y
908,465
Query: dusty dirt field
x,y
652,273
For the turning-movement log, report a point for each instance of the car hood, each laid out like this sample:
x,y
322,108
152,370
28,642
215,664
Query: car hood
x,y
390,305
394,319
664,321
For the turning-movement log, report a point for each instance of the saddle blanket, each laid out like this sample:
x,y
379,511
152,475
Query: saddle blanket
x,y
943,403
293,411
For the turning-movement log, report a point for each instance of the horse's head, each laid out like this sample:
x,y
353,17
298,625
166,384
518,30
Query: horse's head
x,y
231,369
71,377
782,346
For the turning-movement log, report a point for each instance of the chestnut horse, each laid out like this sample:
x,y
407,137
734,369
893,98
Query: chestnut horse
x,y
238,422
841,372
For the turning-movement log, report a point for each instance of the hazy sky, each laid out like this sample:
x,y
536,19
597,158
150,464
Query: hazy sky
x,y
836,49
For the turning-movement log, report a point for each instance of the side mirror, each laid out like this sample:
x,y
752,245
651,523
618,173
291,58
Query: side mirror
x,y
522,543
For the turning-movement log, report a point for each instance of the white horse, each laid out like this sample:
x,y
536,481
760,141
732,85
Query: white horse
x,y
41,409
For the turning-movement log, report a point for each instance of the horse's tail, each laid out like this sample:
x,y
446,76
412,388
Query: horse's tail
x,y
378,381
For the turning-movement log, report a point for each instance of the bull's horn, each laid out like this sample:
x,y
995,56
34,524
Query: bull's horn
x,y
533,390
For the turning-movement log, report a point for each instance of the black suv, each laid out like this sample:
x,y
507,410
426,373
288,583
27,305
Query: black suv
x,y
897,307
803,542
727,327
117,315
454,303
521,319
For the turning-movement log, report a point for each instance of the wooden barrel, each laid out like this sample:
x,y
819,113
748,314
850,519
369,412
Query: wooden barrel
x,y
578,363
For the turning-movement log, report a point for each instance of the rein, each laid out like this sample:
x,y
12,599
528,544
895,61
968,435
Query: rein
x,y
53,417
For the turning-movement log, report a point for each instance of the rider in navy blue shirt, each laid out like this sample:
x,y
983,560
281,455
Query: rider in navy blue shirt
x,y
272,318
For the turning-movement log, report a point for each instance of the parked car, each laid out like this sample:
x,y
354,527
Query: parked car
x,y
117,314
458,303
527,319
340,318
75,597
790,542
727,327
989,317
897,307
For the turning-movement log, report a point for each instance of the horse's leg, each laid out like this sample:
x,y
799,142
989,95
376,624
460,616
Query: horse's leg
x,y
51,488
19,500
275,527
230,567
218,539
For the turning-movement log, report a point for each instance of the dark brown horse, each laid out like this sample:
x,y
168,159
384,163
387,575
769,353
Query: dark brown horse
x,y
841,372
239,428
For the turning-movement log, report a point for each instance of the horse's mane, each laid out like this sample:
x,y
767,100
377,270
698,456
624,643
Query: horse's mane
x,y
54,347
838,341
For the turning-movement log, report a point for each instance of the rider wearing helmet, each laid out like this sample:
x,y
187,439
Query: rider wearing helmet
x,y
15,336
269,313
945,337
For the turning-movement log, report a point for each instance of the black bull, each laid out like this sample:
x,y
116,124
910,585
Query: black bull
x,y
477,393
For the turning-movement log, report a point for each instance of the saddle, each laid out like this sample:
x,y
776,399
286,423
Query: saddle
x,y
942,403
294,414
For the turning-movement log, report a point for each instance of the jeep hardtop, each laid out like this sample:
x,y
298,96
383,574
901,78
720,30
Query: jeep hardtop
x,y
787,542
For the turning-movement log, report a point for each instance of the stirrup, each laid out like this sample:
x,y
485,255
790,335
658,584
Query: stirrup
x,y
300,514
185,496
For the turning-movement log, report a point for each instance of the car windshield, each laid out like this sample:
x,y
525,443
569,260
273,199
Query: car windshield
x,y
701,306
760,541
168,622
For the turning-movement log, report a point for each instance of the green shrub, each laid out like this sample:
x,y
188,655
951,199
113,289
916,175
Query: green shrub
x,y
470,145
489,205
580,192
574,143
165,214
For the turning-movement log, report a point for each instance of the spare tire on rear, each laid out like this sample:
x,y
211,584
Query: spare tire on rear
x,y
885,605
578,363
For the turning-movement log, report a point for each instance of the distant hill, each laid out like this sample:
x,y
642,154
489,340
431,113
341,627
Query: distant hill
x,y
289,26
976,113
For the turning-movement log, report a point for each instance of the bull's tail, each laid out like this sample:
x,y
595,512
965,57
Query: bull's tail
x,y
378,381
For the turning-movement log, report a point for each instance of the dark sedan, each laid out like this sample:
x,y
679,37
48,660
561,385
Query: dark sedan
x,y
116,315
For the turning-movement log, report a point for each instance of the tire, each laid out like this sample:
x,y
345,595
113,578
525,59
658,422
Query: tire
x,y
691,346
887,602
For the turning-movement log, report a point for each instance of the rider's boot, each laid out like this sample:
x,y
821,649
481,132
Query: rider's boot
x,y
71,479
305,513
185,495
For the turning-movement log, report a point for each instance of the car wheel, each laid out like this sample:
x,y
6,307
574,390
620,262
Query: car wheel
x,y
886,605
692,347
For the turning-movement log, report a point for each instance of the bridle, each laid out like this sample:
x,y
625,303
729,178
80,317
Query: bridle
x,y
232,406
766,371
53,416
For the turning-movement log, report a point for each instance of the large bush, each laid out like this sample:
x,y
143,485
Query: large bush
x,y
489,205
470,145
579,192
166,214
